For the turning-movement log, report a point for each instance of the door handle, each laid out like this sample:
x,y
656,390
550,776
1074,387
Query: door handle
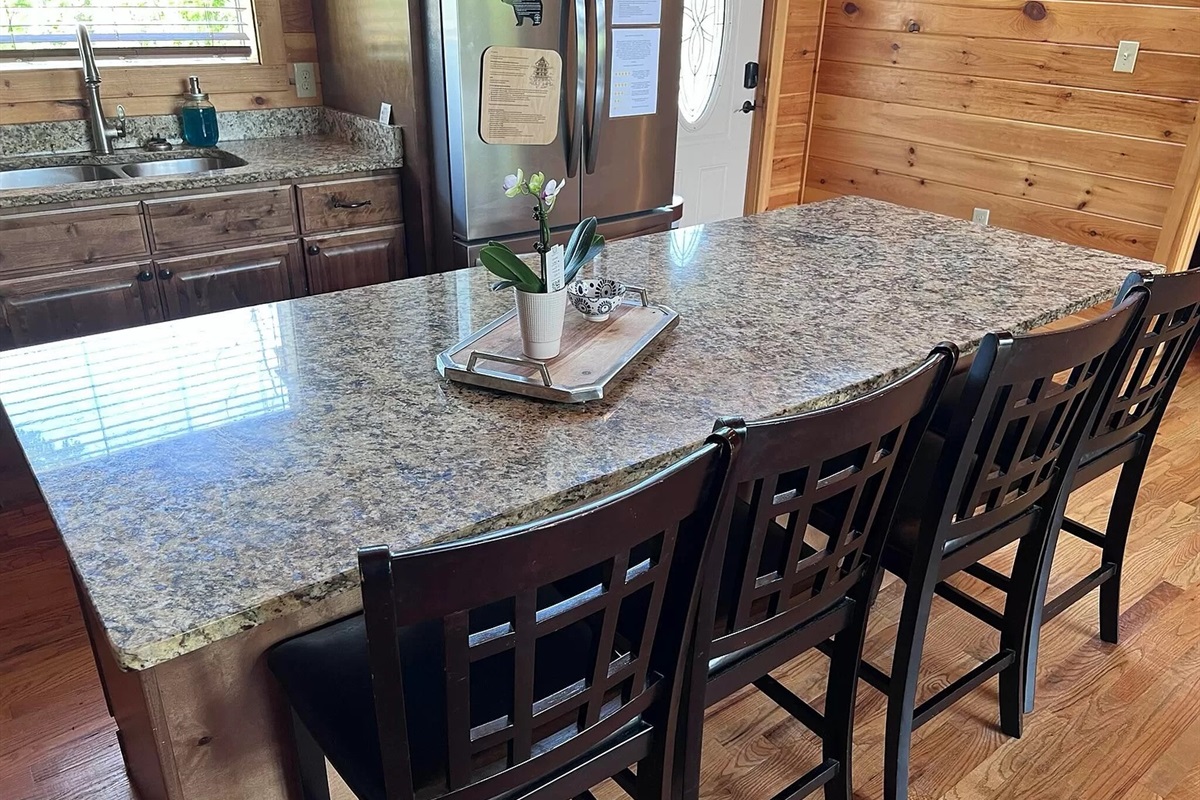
x,y
750,79
747,108
574,121
600,96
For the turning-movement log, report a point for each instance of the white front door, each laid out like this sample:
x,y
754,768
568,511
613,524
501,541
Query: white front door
x,y
719,38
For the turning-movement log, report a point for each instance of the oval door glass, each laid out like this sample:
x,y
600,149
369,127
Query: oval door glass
x,y
700,66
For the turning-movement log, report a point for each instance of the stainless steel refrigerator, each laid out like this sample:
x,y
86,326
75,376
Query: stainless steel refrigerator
x,y
618,156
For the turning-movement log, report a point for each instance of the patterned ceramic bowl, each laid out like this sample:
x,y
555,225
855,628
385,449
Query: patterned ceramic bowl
x,y
596,298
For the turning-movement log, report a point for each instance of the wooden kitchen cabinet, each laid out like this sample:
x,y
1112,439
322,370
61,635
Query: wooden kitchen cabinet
x,y
87,267
227,279
61,305
357,258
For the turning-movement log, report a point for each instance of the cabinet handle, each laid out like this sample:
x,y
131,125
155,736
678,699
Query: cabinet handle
x,y
165,274
145,275
339,204
313,250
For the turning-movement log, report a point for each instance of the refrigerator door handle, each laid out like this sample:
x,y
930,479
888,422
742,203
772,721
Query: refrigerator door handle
x,y
574,120
600,99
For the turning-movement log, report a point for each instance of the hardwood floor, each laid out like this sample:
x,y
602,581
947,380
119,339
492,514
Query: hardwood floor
x,y
1113,722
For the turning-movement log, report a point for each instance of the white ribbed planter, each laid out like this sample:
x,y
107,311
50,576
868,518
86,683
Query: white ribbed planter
x,y
541,320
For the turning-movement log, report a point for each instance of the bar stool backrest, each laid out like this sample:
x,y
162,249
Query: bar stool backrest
x,y
634,558
1032,397
1166,334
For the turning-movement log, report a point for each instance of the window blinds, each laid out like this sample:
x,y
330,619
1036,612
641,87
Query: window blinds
x,y
32,30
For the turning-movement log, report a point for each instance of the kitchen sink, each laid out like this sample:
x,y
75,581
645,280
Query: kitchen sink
x,y
179,166
55,176
38,177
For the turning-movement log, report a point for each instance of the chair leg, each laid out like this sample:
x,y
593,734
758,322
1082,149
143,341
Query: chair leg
x,y
906,665
1022,613
1120,517
841,693
310,762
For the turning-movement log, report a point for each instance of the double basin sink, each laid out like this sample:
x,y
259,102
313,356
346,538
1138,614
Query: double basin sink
x,y
38,177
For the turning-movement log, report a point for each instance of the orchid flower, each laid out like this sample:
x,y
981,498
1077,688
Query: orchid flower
x,y
515,184
536,181
551,190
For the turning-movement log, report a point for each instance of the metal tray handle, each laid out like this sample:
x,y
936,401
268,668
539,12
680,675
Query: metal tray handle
x,y
477,356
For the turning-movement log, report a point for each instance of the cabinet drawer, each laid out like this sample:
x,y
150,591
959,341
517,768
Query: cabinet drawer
x,y
208,219
336,205
71,236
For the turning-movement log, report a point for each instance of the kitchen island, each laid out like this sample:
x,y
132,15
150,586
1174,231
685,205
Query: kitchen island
x,y
212,477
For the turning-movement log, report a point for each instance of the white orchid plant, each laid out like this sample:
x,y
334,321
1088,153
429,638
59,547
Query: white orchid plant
x,y
584,245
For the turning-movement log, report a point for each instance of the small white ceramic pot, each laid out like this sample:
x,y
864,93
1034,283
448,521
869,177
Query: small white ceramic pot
x,y
541,319
596,298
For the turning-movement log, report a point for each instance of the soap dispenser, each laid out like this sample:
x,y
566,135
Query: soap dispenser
x,y
198,116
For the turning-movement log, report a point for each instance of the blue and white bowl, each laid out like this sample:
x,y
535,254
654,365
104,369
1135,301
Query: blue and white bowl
x,y
596,298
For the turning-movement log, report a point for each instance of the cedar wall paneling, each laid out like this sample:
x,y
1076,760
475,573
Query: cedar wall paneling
x,y
789,120
286,35
1011,106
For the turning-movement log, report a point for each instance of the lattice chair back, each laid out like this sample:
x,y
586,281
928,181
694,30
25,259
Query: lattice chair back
x,y
814,495
537,675
1166,335
1034,396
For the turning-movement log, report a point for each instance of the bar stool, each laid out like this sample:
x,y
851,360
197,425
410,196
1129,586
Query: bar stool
x,y
996,477
472,676
782,587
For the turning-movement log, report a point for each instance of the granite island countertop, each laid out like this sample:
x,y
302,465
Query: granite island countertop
x,y
213,473
268,159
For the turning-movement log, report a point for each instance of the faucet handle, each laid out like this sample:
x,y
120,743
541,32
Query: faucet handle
x,y
120,123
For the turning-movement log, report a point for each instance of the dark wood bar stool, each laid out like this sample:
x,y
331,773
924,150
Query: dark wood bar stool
x,y
783,587
1122,437
996,477
471,675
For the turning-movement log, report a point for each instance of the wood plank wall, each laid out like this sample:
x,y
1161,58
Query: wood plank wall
x,y
949,105
788,120
286,35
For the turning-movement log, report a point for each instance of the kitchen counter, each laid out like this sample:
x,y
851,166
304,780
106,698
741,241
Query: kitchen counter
x,y
210,474
268,159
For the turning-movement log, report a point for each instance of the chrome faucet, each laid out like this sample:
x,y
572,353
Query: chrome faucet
x,y
104,131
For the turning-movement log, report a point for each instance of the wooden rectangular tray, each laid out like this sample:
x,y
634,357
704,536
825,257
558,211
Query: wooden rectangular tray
x,y
594,354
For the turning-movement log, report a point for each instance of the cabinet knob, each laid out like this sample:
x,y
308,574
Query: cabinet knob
x,y
165,274
313,250
145,275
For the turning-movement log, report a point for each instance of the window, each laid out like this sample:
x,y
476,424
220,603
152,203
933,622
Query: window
x,y
700,67
135,30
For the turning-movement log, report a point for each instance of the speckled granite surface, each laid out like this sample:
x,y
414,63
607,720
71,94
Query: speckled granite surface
x,y
280,144
225,475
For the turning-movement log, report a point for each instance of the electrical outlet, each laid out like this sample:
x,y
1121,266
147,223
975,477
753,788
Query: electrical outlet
x,y
981,216
306,80
1126,57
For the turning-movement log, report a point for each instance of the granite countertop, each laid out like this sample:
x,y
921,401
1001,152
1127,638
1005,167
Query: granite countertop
x,y
267,159
212,473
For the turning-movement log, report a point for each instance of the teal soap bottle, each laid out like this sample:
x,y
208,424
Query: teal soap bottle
x,y
198,116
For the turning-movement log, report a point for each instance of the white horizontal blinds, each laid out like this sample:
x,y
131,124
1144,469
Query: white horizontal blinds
x,y
136,29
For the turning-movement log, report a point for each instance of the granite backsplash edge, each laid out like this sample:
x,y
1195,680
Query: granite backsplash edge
x,y
68,136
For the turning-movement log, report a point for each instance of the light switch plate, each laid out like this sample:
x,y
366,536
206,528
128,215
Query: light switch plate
x,y
306,80
1126,57
981,216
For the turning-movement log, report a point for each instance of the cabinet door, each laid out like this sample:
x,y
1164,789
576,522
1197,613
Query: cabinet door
x,y
357,258
77,302
228,279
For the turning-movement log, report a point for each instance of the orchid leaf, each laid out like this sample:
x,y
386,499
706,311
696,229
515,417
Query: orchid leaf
x,y
594,250
504,264
583,233
500,286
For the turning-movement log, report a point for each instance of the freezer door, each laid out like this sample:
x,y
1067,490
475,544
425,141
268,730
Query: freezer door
x,y
477,169
629,161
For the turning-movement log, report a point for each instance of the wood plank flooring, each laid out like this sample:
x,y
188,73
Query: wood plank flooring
x,y
1113,722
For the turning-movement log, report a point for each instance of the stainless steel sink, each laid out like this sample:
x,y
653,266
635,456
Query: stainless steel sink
x,y
56,176
178,166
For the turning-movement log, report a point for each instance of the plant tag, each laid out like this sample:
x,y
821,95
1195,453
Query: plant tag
x,y
385,113
556,267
